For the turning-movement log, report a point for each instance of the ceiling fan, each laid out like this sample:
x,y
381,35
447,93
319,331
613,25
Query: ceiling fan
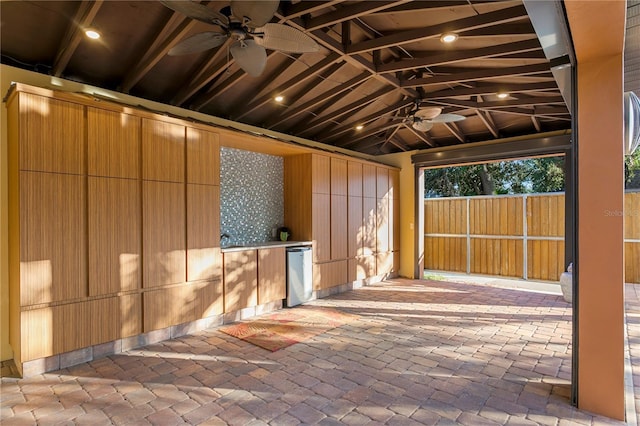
x,y
422,119
247,24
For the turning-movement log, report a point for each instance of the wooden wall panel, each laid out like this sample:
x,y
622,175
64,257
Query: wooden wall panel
x,y
157,310
339,227
104,320
320,174
240,280
330,274
297,196
53,247
369,178
338,176
445,216
384,263
272,283
545,260
321,227
394,224
115,235
369,226
163,151
204,260
113,144
37,331
52,134
354,179
632,217
361,267
355,229
163,233
209,298
632,262
382,225
72,325
130,306
445,254
394,184
382,182
545,215
203,157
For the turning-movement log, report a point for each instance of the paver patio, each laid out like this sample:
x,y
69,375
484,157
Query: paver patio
x,y
422,352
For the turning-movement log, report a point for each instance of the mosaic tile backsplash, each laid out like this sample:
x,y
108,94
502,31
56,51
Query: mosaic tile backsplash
x,y
251,196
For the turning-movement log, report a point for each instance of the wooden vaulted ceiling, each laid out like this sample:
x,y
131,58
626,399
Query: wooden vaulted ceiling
x,y
376,60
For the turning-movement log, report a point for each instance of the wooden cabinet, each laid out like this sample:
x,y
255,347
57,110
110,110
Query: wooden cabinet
x,y
272,285
115,235
382,225
320,174
240,280
369,225
203,157
329,274
394,184
382,182
354,179
203,233
163,233
338,176
113,144
339,233
369,178
44,144
355,229
162,151
321,227
53,240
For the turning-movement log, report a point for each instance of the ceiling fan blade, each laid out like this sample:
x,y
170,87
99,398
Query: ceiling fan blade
x,y
448,118
198,43
197,11
256,13
428,113
422,126
249,56
285,39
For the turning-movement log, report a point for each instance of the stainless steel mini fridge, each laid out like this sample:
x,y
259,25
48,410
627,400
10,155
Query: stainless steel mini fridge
x,y
299,275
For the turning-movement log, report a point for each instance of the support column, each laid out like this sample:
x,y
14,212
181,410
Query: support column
x,y
597,29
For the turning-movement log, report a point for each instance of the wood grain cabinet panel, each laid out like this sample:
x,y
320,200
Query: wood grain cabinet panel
x,y
339,234
394,184
203,157
115,235
104,317
369,178
320,174
338,176
355,228
272,285
53,241
382,182
163,233
394,224
321,226
113,144
240,280
203,233
51,135
329,274
369,225
354,179
382,225
130,306
209,298
162,151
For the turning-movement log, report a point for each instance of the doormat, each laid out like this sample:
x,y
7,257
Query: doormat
x,y
287,327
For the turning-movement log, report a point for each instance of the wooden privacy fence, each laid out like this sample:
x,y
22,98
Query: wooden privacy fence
x,y
514,235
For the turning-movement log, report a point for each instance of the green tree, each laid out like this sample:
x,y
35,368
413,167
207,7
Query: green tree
x,y
632,170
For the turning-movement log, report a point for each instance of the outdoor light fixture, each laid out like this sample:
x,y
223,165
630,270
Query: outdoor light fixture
x,y
502,95
279,98
448,37
92,34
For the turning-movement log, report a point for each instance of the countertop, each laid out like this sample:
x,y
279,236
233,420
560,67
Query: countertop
x,y
266,244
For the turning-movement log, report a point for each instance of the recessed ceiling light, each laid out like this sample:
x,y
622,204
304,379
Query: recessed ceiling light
x,y
502,95
448,37
92,34
359,127
279,98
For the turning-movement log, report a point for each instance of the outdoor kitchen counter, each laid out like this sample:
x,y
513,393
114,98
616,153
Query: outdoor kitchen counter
x,y
266,244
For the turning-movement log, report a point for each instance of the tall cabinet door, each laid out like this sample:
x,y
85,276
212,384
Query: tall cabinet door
x,y
321,226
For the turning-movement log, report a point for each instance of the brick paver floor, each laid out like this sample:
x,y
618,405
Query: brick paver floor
x,y
422,352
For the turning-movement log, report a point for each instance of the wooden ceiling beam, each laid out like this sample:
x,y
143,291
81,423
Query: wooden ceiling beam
x,y
465,24
424,137
453,56
488,121
490,89
360,103
349,12
289,85
328,94
527,101
87,11
335,133
478,74
421,5
455,131
398,144
173,31
306,7
536,123
531,112
358,136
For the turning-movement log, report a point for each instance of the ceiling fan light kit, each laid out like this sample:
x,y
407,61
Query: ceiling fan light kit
x,y
247,25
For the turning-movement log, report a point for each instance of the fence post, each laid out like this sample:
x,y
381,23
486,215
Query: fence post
x,y
468,236
525,266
